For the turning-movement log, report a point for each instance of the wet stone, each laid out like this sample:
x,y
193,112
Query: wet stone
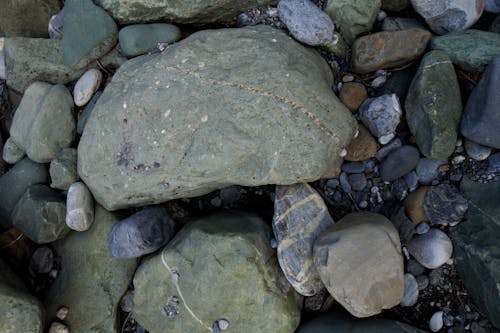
x,y
79,207
362,147
410,296
414,267
42,260
62,169
12,153
353,167
428,170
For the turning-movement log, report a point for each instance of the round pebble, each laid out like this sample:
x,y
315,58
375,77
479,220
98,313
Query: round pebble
x,y
423,282
127,301
357,181
56,327
86,86
344,183
79,207
414,267
223,324
353,167
436,322
492,6
353,94
399,163
477,151
12,153
431,249
427,170
410,295
422,228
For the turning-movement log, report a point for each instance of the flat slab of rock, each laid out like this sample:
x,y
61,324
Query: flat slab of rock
x,y
175,125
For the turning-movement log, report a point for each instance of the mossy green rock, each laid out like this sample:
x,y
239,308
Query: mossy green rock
x,y
62,169
225,269
27,18
434,106
210,112
91,282
471,50
138,39
475,241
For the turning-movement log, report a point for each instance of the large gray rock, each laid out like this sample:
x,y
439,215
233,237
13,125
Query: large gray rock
x,y
221,267
27,18
210,112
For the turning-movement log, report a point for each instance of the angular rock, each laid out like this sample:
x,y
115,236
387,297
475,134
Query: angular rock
x,y
92,290
83,117
381,115
300,215
353,94
434,106
26,18
44,122
395,5
432,249
62,169
205,260
388,49
138,39
11,152
79,207
444,205
399,162
359,260
362,147
399,83
86,86
201,134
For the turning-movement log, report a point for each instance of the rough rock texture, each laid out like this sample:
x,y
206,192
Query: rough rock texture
x,y
201,273
176,125
444,205
62,169
27,18
434,106
193,11
476,246
138,39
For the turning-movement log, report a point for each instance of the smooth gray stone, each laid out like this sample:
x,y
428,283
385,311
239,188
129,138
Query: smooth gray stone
x,y
79,207
432,249
414,267
427,170
138,39
399,162
477,151
87,111
62,169
383,152
492,6
353,167
12,153
357,181
410,296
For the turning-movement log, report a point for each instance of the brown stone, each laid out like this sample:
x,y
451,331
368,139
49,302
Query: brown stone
x,y
362,147
353,94
388,49
414,205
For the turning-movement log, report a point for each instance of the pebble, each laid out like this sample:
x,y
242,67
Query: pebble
x,y
492,6
428,170
353,94
399,188
402,23
86,112
444,205
388,148
12,153
362,147
137,39
62,313
436,321
63,169
458,159
414,205
431,249
2,65
79,207
477,151
411,180
223,324
379,81
410,295
42,260
357,181
56,327
414,268
381,115
344,183
216,202
353,167
231,195
422,228
86,86
56,25
423,282
399,162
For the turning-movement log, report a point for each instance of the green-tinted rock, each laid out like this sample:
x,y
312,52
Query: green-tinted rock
x,y
354,17
62,169
475,241
140,38
399,83
11,152
89,33
471,50
28,18
178,11
15,182
44,122
395,5
19,311
434,106
210,112
225,269
91,282
83,117
40,214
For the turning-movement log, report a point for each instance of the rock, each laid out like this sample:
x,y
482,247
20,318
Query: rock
x,y
492,6
79,207
85,114
367,238
344,183
388,49
444,17
56,327
138,39
44,123
362,147
357,181
306,22
15,182
482,114
388,148
26,18
403,225
495,25
353,167
476,246
91,291
493,164
414,205
62,169
414,268
422,228
402,23
142,233
398,83
410,296
428,170
444,205
42,260
86,86
123,167
338,46
399,162
353,17
2,66
475,151
434,106
353,94
300,215
11,152
207,258
411,180
80,47
395,5
381,115
40,214
431,249
471,50
56,25
436,321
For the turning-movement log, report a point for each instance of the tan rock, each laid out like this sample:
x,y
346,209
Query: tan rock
x,y
353,94
362,147
414,205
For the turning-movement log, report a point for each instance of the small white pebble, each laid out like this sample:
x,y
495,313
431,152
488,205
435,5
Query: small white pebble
x,y
348,78
381,15
458,159
204,119
223,324
458,143
356,134
378,82
53,274
343,152
62,313
450,261
56,327
436,322
385,139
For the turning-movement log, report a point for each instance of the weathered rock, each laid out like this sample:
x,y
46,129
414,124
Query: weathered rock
x,y
381,115
353,94
432,249
86,86
434,106
79,207
44,123
187,151
476,246
388,49
83,117
62,169
359,260
99,282
201,272
138,39
410,296
395,5
26,18
399,162
300,215
444,205
11,152
362,147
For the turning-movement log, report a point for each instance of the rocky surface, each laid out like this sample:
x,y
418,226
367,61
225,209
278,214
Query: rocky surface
x,y
27,18
138,39
62,169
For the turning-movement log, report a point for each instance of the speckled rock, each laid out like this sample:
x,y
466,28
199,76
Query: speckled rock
x,y
444,205
381,115
363,147
428,170
353,94
432,249
62,169
26,18
138,39
399,162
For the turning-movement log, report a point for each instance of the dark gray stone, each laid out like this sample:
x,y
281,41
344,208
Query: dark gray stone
x,y
427,170
411,180
402,23
410,296
26,18
383,152
492,6
42,260
138,39
381,115
494,164
432,249
444,205
495,25
414,267
357,181
399,188
399,163
344,183
399,83
403,224
86,112
477,151
353,167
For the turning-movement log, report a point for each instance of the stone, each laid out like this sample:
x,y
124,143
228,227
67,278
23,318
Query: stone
x,y
306,22
353,17
56,327
388,49
123,167
357,181
399,162
495,25
411,180
353,167
86,86
138,39
42,260
436,321
403,225
381,115
300,216
201,272
360,262
481,113
62,169
432,249
27,18
471,50
338,46
410,296
402,23
83,117
362,147
15,182
44,122
2,66
475,151
414,268
476,246
444,205
493,164
100,282
434,106
353,94
422,228
56,25
428,170
447,16
492,6
79,207
398,83
390,147
414,205
11,152
142,233
40,214
395,5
